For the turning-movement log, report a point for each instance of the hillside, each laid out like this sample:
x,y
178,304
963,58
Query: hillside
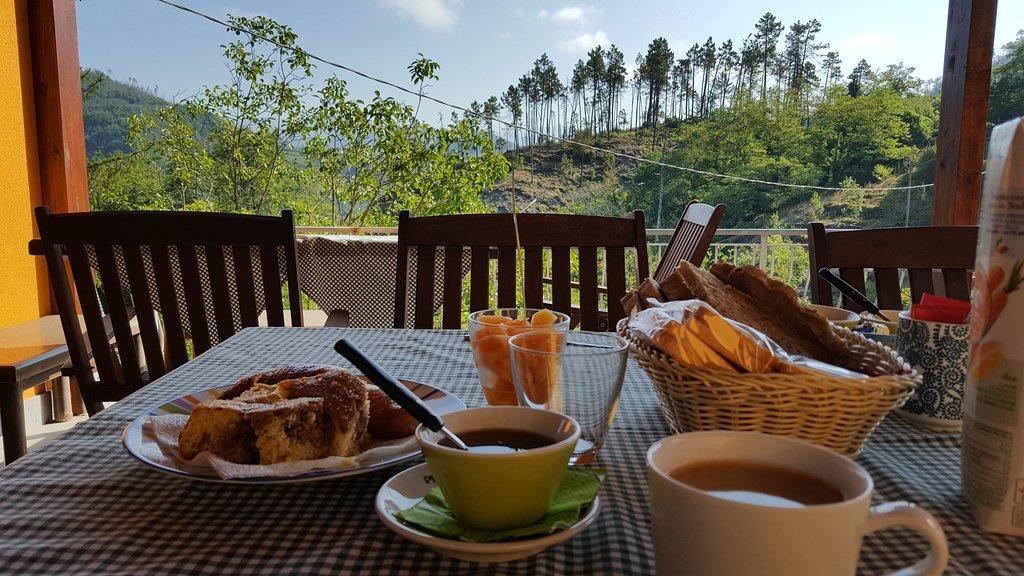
x,y
560,177
566,178
107,105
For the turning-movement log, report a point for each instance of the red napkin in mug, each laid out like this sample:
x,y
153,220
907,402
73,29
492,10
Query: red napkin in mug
x,y
937,309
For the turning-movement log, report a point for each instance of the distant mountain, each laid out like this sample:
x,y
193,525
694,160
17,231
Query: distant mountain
x,y
107,104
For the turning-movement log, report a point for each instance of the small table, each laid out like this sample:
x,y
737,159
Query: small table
x,y
30,353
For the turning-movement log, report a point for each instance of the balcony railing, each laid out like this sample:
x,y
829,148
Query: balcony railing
x,y
781,252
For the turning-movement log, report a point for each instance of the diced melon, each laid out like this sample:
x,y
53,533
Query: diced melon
x,y
543,317
488,319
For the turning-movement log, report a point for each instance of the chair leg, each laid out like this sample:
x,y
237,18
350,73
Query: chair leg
x,y
62,399
12,421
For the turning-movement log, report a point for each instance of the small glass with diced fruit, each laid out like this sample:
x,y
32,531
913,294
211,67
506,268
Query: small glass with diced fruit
x,y
489,331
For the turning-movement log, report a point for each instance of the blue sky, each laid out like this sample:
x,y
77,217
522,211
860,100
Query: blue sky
x,y
483,46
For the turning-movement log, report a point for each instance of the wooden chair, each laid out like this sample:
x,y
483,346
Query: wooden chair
x,y
484,234
692,237
926,252
206,274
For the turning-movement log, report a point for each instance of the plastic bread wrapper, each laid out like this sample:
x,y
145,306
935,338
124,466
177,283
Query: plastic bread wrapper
x,y
695,334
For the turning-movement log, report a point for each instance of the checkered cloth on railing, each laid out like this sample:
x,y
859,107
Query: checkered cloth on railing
x,y
357,274
82,506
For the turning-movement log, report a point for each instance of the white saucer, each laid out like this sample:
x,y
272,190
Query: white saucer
x,y
408,487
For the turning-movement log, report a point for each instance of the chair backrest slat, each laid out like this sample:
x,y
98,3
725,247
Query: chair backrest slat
x,y
85,288
506,276
113,295
137,271
589,312
245,285
479,278
144,312
561,276
640,244
216,266
854,277
923,251
615,257
269,267
195,304
57,270
692,237
533,272
957,284
425,277
174,331
451,315
921,282
288,245
887,286
599,242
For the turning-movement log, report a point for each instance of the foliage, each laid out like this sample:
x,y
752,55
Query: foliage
x,y
270,139
1006,100
106,105
853,135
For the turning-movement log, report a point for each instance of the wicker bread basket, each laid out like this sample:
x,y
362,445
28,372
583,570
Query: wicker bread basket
x,y
834,412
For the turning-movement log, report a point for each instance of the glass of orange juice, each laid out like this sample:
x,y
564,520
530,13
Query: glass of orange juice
x,y
489,331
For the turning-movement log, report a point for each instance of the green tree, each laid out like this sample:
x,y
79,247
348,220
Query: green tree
x,y
270,140
1006,99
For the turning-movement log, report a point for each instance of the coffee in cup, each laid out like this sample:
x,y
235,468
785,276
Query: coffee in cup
x,y
745,504
516,461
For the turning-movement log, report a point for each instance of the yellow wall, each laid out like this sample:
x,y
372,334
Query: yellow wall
x,y
24,292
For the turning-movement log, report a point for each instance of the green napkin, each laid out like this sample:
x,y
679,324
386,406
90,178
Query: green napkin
x,y
578,489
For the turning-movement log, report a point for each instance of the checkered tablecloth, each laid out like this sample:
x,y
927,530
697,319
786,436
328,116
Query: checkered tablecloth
x,y
357,274
82,506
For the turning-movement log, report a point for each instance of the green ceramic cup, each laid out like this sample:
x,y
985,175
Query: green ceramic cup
x,y
500,491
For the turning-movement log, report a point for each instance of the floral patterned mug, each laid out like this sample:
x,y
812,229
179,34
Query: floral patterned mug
x,y
940,353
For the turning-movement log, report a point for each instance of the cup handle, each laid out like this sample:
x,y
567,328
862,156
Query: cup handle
x,y
910,516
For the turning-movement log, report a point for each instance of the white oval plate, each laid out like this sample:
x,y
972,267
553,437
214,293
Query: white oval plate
x,y
438,400
405,489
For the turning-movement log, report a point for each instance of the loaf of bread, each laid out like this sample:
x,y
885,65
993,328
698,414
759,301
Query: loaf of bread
x,y
747,295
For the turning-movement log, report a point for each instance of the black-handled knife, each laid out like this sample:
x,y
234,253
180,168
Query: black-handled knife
x,y
850,292
395,390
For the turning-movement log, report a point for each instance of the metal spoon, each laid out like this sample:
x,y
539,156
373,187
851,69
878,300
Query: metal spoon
x,y
396,391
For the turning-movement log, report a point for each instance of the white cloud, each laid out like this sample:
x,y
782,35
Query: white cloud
x,y
584,42
569,15
436,14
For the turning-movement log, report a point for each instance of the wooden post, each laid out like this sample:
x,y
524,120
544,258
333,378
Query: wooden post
x,y
960,147
56,81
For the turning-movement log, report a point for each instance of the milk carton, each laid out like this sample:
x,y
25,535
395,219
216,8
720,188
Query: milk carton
x,y
993,436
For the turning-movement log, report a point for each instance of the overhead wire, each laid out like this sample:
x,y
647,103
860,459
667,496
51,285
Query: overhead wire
x,y
514,126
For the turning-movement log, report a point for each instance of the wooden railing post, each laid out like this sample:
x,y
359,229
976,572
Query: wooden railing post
x,y
960,146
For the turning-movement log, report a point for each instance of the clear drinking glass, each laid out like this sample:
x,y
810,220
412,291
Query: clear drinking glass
x,y
582,380
489,333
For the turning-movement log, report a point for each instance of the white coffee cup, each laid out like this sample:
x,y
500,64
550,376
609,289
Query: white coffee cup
x,y
697,533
